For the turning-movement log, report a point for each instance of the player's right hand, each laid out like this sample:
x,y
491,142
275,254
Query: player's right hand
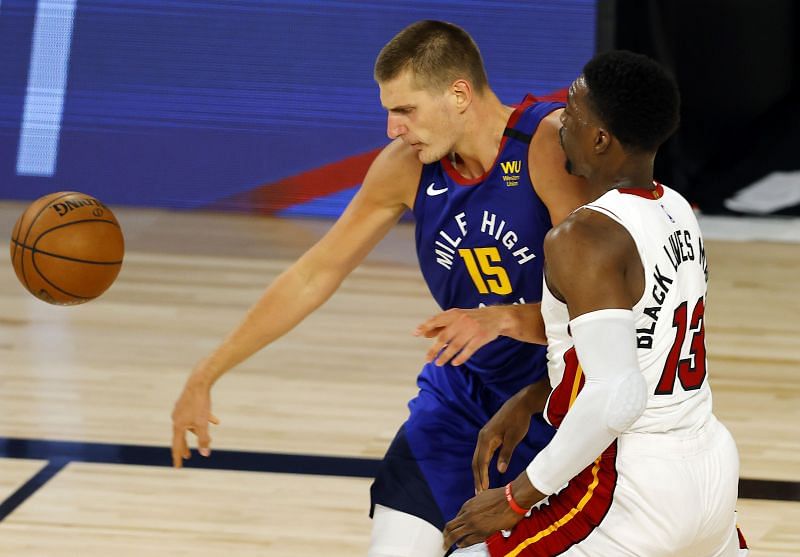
x,y
459,333
192,413
505,430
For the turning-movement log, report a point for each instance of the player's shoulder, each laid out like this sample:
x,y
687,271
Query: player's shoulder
x,y
545,137
396,160
586,235
560,191
545,152
395,173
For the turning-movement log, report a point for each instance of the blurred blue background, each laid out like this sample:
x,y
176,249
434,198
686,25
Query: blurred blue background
x,y
185,104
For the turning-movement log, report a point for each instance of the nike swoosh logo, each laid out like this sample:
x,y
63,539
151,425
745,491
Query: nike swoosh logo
x,y
432,191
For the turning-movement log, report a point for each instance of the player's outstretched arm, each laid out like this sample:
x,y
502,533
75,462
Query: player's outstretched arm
x,y
388,189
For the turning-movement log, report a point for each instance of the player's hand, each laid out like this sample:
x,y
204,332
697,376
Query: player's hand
x,y
460,333
479,518
192,413
489,512
505,430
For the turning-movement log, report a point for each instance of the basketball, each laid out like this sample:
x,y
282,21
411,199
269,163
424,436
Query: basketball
x,y
67,248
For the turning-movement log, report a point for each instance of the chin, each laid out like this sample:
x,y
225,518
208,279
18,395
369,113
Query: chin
x,y
570,168
427,156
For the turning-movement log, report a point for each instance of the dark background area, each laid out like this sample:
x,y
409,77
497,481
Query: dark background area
x,y
736,62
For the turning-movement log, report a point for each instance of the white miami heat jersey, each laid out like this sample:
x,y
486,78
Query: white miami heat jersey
x,y
670,331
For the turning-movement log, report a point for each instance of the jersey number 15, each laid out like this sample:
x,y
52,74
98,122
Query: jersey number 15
x,y
487,277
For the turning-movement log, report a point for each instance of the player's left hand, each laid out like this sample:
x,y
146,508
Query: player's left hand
x,y
461,332
480,517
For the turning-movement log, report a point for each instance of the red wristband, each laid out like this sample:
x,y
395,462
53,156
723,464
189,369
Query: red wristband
x,y
513,504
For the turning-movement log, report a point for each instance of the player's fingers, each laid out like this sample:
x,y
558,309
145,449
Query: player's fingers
x,y
431,324
453,531
470,539
213,419
484,450
179,447
434,350
430,333
440,342
458,340
505,454
203,440
468,350
451,350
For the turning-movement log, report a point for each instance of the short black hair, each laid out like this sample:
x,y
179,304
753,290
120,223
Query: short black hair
x,y
437,52
635,97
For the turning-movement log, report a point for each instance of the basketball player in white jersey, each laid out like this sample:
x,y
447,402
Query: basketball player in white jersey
x,y
639,465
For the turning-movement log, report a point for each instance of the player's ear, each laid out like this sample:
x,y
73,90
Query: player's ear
x,y
602,141
461,91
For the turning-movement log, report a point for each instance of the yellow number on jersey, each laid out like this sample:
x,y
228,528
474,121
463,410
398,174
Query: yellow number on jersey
x,y
487,277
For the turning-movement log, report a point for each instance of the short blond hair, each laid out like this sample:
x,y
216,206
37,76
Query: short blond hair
x,y
438,53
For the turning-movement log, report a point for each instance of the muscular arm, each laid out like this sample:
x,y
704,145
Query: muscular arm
x,y
560,191
594,266
388,189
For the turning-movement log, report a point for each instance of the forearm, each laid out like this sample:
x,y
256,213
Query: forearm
x,y
533,397
612,399
293,295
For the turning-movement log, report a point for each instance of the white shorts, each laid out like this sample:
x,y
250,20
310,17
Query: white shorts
x,y
654,495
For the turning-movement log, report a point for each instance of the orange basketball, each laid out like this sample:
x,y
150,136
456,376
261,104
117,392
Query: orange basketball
x,y
67,248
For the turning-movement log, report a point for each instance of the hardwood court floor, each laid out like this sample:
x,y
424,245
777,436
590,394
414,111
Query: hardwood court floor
x,y
109,371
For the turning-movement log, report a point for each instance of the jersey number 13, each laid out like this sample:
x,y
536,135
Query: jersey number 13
x,y
691,370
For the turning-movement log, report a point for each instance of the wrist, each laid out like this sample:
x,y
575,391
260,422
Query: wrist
x,y
509,320
512,502
535,395
523,322
524,493
202,377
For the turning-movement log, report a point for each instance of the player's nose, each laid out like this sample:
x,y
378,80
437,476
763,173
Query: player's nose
x,y
394,127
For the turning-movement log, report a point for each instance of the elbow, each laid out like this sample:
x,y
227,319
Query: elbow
x,y
628,402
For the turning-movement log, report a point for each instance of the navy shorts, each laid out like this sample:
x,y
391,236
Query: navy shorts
x,y
427,470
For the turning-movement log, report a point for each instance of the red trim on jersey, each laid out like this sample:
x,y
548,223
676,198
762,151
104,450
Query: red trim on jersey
x,y
562,397
742,541
655,193
512,120
567,518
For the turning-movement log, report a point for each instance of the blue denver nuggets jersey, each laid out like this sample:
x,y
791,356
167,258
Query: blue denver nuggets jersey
x,y
480,242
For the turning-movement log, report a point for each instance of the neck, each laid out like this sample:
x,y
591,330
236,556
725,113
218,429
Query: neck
x,y
476,151
632,172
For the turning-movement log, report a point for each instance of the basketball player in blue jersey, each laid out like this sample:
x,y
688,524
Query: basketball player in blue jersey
x,y
485,182
639,466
